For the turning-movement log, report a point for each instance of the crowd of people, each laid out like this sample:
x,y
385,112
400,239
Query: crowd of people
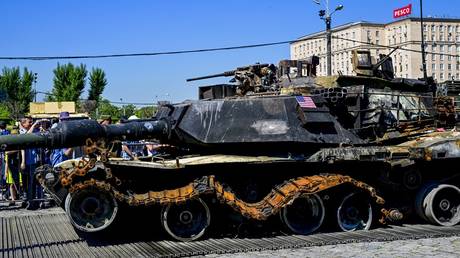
x,y
17,168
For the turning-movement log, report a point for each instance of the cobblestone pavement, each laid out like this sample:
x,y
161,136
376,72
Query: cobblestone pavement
x,y
432,247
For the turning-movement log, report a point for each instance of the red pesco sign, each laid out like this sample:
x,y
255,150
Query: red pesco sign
x,y
404,11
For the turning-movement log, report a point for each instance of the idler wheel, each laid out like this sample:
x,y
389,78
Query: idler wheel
x,y
305,215
439,204
354,212
91,209
187,221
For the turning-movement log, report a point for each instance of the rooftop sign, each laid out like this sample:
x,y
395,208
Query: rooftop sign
x,y
401,12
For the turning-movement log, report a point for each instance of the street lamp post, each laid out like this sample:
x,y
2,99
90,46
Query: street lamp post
x,y
123,107
425,76
327,17
329,45
35,86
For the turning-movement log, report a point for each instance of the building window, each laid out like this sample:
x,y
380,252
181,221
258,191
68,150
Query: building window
x,y
433,57
441,37
449,67
441,67
433,75
433,67
441,76
457,38
433,28
458,49
449,76
441,27
449,28
457,66
441,57
449,57
441,48
425,27
434,48
433,37
457,29
457,76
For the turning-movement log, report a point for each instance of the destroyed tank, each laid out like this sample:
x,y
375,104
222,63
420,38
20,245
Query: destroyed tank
x,y
279,144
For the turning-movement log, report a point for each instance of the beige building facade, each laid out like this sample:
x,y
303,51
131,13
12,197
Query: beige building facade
x,y
442,40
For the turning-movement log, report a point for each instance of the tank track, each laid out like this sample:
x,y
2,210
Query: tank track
x,y
279,197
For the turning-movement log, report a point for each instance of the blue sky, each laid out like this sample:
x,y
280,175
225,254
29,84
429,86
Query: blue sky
x,y
86,27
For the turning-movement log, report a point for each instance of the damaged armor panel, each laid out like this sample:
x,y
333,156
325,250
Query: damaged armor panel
x,y
391,108
262,120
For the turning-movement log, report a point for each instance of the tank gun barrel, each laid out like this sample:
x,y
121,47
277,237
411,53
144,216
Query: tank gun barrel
x,y
224,74
231,73
75,133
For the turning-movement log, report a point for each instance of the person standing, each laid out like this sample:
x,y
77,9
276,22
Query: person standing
x,y
62,154
29,163
3,131
131,150
13,179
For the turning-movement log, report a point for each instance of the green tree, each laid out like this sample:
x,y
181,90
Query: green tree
x,y
105,109
68,82
18,90
4,112
146,112
97,83
128,110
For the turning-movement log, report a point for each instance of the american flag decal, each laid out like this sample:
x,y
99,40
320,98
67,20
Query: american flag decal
x,y
305,102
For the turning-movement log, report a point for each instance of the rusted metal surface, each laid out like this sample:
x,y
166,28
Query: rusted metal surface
x,y
435,145
390,215
446,111
279,197
198,160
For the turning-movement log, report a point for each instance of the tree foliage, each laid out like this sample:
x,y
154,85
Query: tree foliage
x,y
68,82
128,110
18,89
4,112
146,112
97,83
106,109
